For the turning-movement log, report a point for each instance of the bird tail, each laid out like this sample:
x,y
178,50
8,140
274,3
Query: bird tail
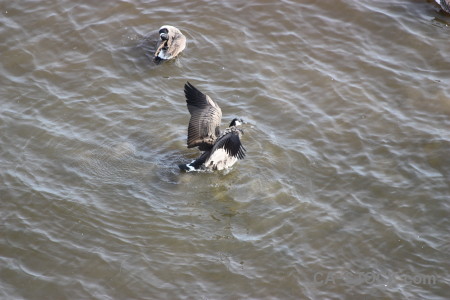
x,y
184,167
195,165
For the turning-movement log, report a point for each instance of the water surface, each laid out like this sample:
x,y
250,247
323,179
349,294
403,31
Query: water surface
x,y
344,193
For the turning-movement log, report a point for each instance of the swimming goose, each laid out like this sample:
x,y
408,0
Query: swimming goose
x,y
171,42
221,149
445,5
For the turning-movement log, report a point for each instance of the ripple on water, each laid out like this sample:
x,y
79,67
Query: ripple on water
x,y
346,169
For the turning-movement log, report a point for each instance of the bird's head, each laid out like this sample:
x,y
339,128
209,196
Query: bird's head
x,y
164,34
236,122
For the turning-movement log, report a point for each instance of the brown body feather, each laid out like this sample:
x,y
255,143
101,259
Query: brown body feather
x,y
172,46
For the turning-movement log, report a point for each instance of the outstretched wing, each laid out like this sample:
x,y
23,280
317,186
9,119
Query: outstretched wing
x,y
206,115
231,143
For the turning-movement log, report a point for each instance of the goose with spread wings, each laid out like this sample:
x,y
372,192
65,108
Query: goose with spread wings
x,y
221,150
171,42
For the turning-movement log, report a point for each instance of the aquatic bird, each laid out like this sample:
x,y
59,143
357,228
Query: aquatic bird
x,y
445,5
221,150
171,42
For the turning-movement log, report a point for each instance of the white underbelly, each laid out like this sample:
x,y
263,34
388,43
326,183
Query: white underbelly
x,y
163,54
220,160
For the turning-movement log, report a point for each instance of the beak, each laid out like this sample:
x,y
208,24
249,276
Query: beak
x,y
164,36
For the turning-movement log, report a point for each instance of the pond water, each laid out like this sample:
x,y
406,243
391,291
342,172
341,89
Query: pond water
x,y
344,192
